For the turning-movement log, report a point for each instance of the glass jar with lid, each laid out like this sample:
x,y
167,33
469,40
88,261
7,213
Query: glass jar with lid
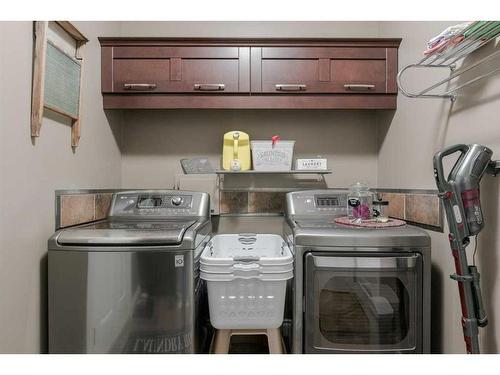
x,y
359,202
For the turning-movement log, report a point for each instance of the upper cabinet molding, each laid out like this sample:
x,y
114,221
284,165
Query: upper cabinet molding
x,y
339,42
153,73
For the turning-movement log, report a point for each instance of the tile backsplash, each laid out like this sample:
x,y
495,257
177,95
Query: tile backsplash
x,y
417,207
102,203
232,202
73,208
396,206
420,207
76,209
423,208
266,202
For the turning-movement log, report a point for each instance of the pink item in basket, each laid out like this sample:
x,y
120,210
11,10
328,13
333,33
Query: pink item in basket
x,y
372,223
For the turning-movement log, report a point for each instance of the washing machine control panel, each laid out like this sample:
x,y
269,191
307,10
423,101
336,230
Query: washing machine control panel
x,y
317,202
159,203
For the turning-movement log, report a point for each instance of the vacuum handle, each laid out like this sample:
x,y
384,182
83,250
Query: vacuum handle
x,y
438,163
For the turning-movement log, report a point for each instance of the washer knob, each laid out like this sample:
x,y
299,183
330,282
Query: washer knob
x,y
176,200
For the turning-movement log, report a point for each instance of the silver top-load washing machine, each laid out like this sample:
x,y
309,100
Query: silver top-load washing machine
x,y
129,283
355,290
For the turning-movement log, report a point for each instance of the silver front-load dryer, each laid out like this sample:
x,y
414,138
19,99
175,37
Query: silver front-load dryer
x,y
355,290
129,283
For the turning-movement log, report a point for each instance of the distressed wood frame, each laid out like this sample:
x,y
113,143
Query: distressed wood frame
x,y
39,60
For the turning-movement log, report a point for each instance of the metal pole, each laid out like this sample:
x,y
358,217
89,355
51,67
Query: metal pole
x,y
464,279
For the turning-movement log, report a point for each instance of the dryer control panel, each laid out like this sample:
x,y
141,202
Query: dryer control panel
x,y
317,202
159,204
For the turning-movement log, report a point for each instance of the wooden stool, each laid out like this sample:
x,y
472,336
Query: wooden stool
x,y
223,339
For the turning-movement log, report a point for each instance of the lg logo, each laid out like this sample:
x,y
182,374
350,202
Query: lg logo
x,y
179,261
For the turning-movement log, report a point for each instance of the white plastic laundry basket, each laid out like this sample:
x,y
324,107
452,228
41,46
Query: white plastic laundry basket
x,y
227,252
246,279
269,157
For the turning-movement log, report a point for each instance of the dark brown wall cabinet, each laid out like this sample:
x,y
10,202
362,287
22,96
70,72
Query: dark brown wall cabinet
x,y
146,73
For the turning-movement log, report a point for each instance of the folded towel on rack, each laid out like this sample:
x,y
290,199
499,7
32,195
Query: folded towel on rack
x,y
448,34
445,44
476,33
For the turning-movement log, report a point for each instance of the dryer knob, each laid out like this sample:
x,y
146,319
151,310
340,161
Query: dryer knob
x,y
176,200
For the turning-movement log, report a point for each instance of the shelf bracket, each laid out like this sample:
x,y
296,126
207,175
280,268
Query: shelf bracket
x,y
424,93
493,168
451,93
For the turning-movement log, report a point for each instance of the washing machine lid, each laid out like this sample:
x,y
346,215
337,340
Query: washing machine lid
x,y
128,233
325,232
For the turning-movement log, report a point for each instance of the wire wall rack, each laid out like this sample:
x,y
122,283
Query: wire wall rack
x,y
449,54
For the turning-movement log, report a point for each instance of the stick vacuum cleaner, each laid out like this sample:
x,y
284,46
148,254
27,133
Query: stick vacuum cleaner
x,y
460,195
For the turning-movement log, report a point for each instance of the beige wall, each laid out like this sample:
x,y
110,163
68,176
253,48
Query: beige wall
x,y
408,140
251,29
29,174
153,142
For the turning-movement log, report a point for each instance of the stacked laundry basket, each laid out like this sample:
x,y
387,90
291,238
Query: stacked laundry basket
x,y
246,277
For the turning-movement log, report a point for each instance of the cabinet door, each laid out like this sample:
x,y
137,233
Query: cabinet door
x,y
317,70
193,70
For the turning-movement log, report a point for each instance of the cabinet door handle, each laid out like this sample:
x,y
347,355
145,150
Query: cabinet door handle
x,y
290,87
359,87
209,86
139,86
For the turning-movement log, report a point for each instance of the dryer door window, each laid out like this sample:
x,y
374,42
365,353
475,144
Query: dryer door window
x,y
362,304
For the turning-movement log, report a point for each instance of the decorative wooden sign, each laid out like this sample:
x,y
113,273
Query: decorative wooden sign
x,y
57,77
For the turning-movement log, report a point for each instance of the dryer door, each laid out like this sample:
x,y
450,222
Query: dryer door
x,y
363,304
